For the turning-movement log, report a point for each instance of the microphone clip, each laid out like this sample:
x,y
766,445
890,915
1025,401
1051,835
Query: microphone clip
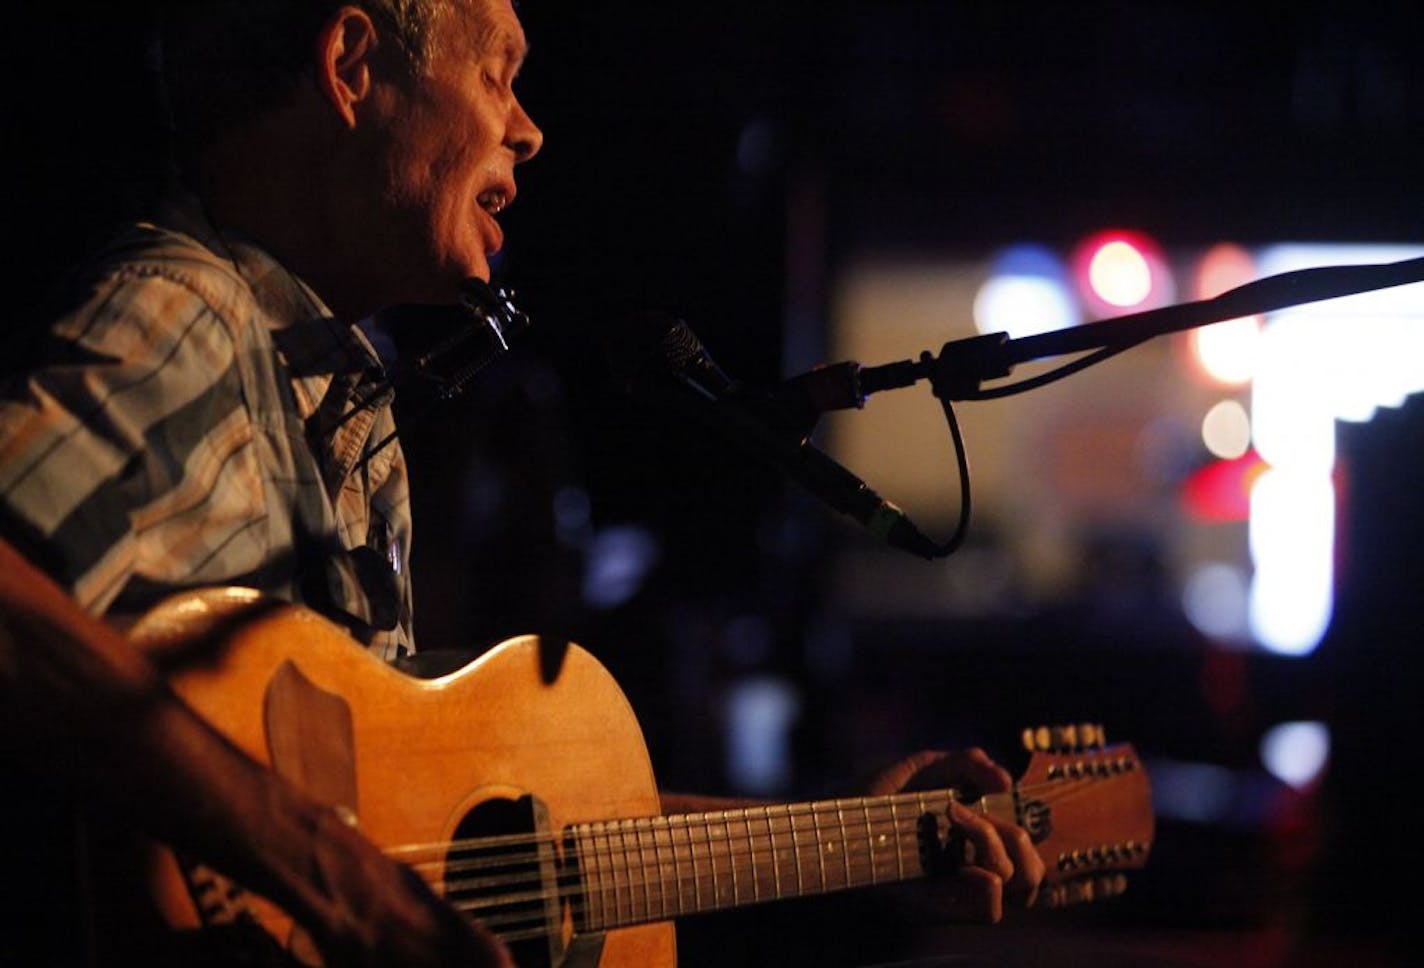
x,y
488,324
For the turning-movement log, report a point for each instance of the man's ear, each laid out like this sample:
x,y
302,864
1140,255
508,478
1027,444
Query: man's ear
x,y
344,49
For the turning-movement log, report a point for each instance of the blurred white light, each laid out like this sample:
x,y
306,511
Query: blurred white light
x,y
1226,430
1023,306
1027,293
1227,351
1293,422
1292,539
1120,274
1357,352
1320,362
1296,753
1215,601
760,713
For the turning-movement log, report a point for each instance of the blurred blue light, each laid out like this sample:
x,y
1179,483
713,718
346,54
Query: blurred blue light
x,y
1027,293
760,712
618,561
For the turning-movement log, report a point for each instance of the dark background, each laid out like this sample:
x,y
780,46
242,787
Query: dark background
x,y
722,162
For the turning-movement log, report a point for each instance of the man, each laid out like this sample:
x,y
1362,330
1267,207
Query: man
x,y
210,415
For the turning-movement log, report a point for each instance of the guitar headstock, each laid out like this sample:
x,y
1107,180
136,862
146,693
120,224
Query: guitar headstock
x,y
1088,807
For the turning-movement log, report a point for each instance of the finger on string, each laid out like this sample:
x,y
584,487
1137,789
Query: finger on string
x,y
1022,887
982,837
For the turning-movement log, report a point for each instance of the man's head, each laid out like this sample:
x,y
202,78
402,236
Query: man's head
x,y
374,155
227,62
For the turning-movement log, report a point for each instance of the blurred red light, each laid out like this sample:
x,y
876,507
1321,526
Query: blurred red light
x,y
1221,491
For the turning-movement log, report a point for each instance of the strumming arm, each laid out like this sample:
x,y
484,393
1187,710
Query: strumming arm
x,y
80,705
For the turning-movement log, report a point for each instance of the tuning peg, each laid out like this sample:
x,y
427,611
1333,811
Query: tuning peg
x,y
1038,739
1084,890
1067,738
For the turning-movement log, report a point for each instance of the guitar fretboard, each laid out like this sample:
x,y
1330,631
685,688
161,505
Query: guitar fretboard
x,y
657,868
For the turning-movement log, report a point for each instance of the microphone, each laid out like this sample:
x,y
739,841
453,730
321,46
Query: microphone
x,y
659,360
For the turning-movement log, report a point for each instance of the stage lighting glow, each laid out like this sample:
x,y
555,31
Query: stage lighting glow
x,y
1122,270
1026,293
1338,359
1358,352
1120,274
1227,351
1023,306
1215,601
760,713
1221,491
1292,413
1296,753
1226,430
1292,541
1224,266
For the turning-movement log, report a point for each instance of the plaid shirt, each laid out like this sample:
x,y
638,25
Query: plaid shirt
x,y
201,419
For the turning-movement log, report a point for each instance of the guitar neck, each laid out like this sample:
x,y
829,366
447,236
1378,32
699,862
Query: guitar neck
x,y
658,868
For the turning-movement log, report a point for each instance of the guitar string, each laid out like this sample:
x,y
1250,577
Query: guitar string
x,y
440,851
732,852
736,857
768,849
668,897
664,892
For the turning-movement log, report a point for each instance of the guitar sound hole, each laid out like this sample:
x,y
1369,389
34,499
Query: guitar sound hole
x,y
500,874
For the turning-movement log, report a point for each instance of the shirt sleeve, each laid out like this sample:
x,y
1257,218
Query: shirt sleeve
x,y
129,454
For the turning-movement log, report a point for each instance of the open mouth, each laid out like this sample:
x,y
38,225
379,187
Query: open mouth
x,y
493,201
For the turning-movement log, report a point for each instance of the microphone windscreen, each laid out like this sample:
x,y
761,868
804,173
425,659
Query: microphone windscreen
x,y
654,345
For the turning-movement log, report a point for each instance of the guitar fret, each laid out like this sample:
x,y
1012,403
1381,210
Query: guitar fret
x,y
692,856
821,846
640,867
665,825
650,874
595,863
711,860
609,874
845,840
620,862
869,838
630,870
752,855
795,851
731,856
771,838
899,854
594,881
667,889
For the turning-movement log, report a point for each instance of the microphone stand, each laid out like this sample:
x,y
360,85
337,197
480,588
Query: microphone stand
x,y
963,365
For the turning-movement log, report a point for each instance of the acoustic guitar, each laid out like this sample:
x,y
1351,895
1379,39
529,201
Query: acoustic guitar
x,y
520,787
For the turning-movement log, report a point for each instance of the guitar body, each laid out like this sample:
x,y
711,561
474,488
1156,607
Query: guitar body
x,y
411,759
519,787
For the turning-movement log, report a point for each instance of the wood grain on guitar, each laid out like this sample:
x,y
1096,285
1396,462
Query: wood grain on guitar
x,y
520,787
